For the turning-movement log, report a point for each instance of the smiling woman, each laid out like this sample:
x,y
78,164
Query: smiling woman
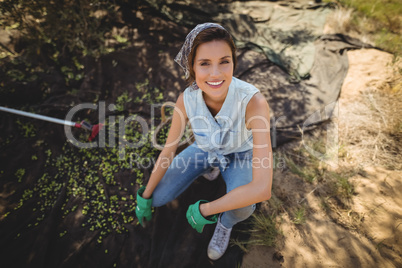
x,y
213,70
230,122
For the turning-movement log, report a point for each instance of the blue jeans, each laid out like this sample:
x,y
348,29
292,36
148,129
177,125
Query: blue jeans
x,y
192,163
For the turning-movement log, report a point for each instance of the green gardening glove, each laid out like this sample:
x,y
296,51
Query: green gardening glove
x,y
143,209
196,220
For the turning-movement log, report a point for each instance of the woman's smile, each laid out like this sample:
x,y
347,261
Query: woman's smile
x,y
215,84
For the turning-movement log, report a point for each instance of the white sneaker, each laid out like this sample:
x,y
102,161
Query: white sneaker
x,y
219,241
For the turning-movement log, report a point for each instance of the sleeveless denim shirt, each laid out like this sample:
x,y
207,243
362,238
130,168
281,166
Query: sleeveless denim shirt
x,y
225,133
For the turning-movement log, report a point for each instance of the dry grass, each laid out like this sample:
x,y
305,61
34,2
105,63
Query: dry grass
x,y
371,128
299,216
370,134
376,22
341,21
265,229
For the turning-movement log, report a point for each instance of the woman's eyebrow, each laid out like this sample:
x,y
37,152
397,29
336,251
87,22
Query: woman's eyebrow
x,y
224,57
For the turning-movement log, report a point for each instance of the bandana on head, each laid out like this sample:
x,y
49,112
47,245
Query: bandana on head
x,y
182,56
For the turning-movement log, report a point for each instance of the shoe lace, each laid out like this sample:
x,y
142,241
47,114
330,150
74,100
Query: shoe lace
x,y
220,237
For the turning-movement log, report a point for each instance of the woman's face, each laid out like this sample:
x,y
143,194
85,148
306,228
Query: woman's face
x,y
213,68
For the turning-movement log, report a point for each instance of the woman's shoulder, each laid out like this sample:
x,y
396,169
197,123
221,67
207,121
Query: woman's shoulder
x,y
189,97
244,90
190,91
257,106
244,87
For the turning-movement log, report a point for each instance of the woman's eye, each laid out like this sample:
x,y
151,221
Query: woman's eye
x,y
204,64
225,62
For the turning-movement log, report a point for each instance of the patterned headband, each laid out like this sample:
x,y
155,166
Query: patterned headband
x,y
182,56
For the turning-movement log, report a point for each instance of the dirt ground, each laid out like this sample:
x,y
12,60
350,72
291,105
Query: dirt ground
x,y
368,232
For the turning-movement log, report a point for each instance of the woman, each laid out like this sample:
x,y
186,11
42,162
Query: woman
x,y
230,122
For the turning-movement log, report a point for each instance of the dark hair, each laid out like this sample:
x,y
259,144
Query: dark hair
x,y
205,36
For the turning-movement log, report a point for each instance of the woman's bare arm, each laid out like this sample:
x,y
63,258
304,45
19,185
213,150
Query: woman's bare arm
x,y
259,189
165,158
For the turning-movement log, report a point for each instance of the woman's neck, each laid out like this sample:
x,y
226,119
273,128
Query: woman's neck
x,y
214,105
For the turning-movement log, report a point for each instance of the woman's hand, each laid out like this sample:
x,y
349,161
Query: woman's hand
x,y
195,218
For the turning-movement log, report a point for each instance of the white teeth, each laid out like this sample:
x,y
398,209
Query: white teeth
x,y
215,83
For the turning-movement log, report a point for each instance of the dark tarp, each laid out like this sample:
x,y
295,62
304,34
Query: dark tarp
x,y
299,70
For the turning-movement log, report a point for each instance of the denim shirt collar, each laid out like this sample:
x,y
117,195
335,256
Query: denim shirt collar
x,y
225,109
224,112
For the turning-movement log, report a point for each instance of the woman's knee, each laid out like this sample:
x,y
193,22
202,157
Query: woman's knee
x,y
160,198
241,214
157,202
